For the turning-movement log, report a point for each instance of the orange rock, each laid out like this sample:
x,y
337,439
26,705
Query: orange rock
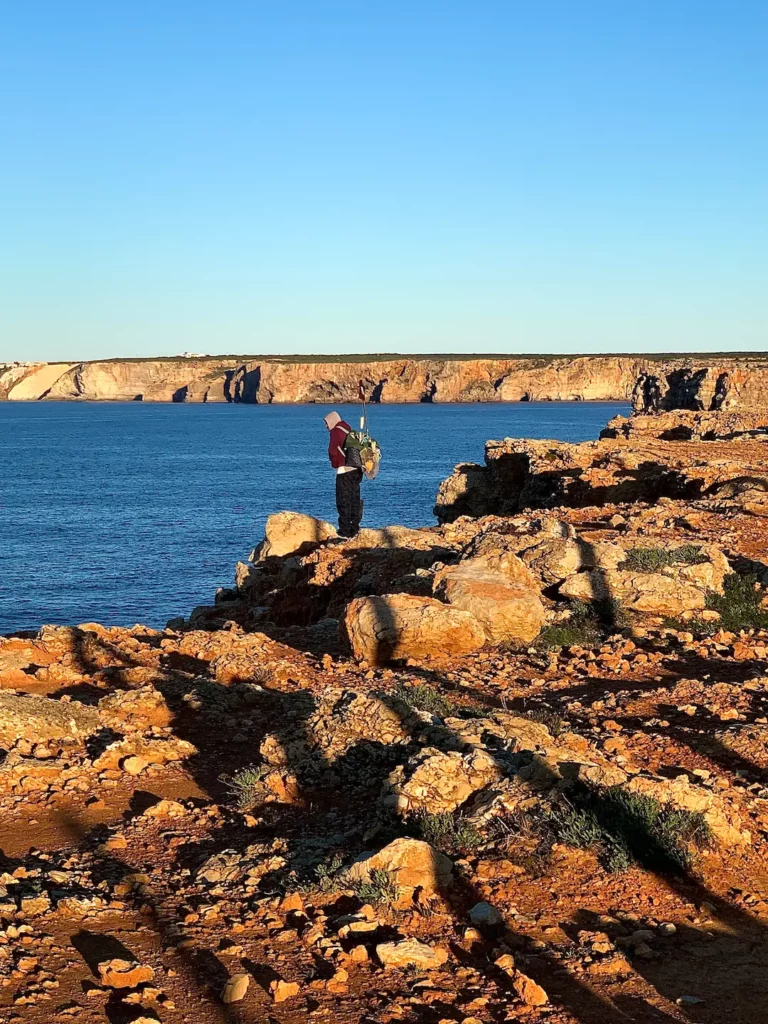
x,y
119,973
527,989
281,990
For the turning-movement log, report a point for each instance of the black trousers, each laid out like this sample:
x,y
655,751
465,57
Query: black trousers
x,y
348,503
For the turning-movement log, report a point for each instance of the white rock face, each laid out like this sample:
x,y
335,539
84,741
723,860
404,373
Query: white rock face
x,y
37,383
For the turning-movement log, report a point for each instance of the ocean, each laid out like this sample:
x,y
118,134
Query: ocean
x,y
133,513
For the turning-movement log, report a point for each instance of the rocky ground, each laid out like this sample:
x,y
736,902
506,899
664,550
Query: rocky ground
x,y
509,768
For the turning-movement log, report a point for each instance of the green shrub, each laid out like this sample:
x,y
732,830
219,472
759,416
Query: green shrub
x,y
550,719
447,832
425,698
580,630
627,828
380,887
739,604
655,559
327,878
246,786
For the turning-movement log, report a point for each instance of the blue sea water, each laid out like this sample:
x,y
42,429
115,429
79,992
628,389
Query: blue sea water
x,y
124,513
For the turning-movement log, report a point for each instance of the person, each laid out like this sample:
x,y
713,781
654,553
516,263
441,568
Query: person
x,y
348,478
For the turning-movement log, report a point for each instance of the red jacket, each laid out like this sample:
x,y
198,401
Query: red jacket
x,y
336,444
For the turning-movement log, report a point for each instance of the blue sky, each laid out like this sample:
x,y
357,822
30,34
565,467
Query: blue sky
x,y
486,175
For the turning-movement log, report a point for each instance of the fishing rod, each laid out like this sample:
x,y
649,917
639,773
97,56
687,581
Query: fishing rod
x,y
364,416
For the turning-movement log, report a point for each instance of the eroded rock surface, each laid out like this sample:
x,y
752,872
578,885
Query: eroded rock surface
x,y
397,626
521,474
289,533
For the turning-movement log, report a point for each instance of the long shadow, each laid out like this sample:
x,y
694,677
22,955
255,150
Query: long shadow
x,y
577,997
310,771
581,1001
288,716
193,964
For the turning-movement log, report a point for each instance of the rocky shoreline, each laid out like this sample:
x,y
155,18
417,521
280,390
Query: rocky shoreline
x,y
510,767
680,381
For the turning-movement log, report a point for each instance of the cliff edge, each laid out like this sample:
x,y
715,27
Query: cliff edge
x,y
392,379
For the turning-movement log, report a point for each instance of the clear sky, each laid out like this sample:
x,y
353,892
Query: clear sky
x,y
237,176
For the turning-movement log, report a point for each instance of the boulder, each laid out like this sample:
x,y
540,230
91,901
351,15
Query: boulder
x,y
134,753
236,988
529,991
119,973
485,915
166,809
434,781
381,629
412,863
292,533
281,990
556,559
508,611
495,551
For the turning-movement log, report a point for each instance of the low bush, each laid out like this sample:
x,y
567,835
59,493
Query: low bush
x,y
739,604
425,698
329,877
582,629
649,560
379,888
525,838
629,828
325,877
452,834
246,786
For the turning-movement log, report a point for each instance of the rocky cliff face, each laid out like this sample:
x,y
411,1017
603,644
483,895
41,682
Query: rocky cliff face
x,y
427,379
525,474
721,386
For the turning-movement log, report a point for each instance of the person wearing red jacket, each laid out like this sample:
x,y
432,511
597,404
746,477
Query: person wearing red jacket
x,y
348,478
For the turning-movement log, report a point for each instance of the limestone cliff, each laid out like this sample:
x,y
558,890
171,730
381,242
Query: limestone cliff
x,y
721,385
394,379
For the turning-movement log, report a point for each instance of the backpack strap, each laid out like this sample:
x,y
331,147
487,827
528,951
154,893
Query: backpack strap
x,y
346,434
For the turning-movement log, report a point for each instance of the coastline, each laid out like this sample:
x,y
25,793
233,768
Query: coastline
x,y
401,379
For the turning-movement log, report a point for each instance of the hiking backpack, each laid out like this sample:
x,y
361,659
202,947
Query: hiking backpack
x,y
362,452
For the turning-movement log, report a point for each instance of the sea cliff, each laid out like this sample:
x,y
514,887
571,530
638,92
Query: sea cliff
x,y
387,379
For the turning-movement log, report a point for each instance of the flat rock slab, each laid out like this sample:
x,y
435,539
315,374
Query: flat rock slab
x,y
410,953
40,718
